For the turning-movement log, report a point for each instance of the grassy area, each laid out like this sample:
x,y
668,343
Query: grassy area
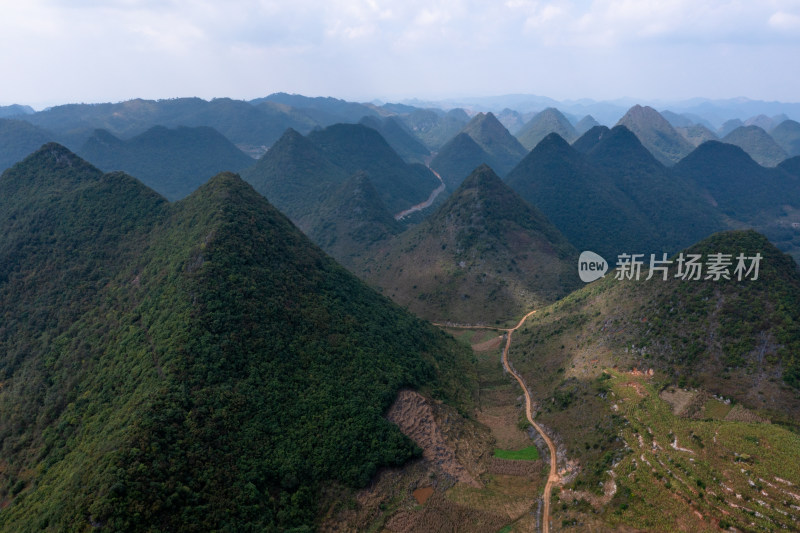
x,y
526,454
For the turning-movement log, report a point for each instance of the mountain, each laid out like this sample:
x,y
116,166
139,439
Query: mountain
x,y
678,443
173,162
324,110
676,120
511,120
296,176
14,110
351,220
614,199
458,158
729,126
787,135
193,366
399,138
739,186
696,134
484,255
656,134
434,127
791,166
551,120
253,128
18,139
764,122
585,124
354,148
504,148
758,144
588,140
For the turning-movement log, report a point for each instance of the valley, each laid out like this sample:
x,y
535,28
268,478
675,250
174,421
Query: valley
x,y
378,325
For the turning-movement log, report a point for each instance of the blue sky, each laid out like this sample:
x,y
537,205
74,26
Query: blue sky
x,y
59,51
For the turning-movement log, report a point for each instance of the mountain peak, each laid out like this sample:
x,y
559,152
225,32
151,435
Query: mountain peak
x,y
656,134
551,120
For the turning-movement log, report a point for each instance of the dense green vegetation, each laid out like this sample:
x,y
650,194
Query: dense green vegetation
x,y
354,148
197,366
614,199
173,162
458,158
435,127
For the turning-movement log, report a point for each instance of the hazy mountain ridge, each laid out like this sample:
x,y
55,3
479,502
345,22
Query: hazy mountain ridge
x,y
174,162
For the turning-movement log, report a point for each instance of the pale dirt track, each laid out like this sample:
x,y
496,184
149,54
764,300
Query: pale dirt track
x,y
553,477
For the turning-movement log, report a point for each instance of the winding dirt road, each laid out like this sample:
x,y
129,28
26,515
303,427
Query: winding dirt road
x,y
427,203
553,478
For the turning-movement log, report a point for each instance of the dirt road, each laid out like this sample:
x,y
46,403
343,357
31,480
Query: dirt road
x,y
427,203
553,477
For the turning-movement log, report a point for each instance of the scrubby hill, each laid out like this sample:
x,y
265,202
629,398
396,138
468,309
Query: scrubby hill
x,y
173,162
484,255
551,120
193,366
787,135
656,134
458,158
399,138
504,149
637,461
758,144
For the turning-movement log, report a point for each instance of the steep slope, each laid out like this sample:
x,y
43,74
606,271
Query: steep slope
x,y
656,134
188,367
15,110
791,166
504,148
399,138
615,199
551,120
585,124
19,139
324,110
733,339
484,255
588,140
295,176
173,162
435,127
351,220
739,186
787,135
696,134
758,145
728,126
354,147
458,158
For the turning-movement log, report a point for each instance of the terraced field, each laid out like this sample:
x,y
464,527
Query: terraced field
x,y
724,473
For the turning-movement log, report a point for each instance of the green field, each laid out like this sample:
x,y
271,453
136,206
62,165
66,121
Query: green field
x,y
526,454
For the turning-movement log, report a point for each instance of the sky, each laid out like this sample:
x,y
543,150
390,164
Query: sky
x,y
67,51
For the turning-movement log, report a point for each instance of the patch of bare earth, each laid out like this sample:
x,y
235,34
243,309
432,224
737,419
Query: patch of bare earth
x,y
489,345
414,415
679,399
